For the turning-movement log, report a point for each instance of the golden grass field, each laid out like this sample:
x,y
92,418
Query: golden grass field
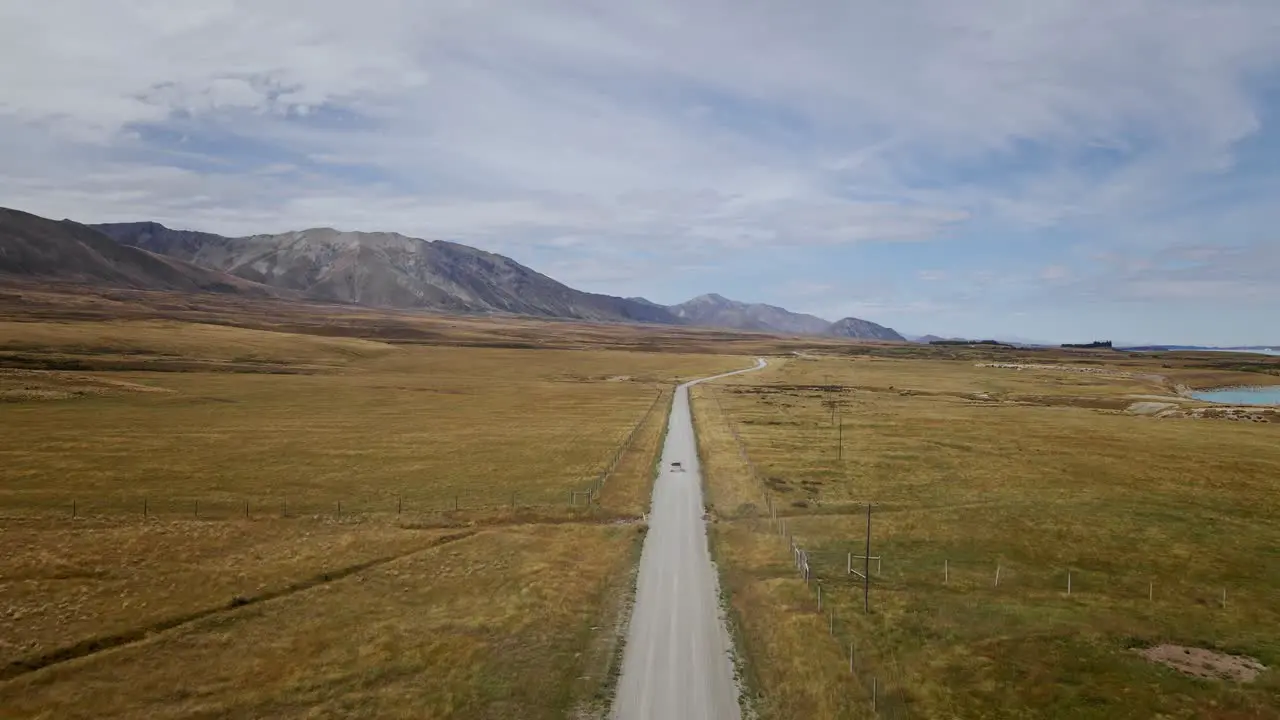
x,y
1039,472
323,421
360,513
398,605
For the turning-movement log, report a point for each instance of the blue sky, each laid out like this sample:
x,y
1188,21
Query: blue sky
x,y
1056,170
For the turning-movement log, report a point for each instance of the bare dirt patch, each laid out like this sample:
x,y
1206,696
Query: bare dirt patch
x,y
1151,408
1207,664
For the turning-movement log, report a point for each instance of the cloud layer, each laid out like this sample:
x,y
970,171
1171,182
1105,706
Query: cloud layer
x,y
616,141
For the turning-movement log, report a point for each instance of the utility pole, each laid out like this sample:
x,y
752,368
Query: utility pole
x,y
866,567
839,434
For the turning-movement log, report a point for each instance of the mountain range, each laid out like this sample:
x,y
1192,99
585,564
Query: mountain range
x,y
714,310
32,246
365,268
385,270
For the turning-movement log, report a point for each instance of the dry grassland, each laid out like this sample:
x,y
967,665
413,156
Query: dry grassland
x,y
1039,473
329,420
44,302
488,626
394,605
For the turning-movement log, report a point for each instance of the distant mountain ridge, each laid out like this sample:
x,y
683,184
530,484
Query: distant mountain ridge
x,y
714,310
61,250
389,269
862,330
386,269
375,269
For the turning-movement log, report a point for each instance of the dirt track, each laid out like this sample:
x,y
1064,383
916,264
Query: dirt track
x,y
677,662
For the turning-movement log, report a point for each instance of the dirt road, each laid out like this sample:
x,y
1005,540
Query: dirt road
x,y
677,662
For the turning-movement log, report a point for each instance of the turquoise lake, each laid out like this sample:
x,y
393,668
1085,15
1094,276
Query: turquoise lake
x,y
1242,396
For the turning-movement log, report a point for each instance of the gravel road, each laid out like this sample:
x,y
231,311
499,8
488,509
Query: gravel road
x,y
677,663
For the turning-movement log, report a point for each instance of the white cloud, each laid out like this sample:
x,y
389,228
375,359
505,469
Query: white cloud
x,y
1056,273
674,129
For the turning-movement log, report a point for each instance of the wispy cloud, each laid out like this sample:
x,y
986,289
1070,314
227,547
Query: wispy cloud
x,y
659,134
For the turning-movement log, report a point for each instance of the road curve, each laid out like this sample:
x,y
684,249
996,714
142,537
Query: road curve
x,y
677,663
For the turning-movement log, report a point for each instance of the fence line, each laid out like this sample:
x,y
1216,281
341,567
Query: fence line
x,y
746,459
884,701
882,687
593,494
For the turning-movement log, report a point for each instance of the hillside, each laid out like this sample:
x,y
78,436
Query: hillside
x,y
36,247
387,270
713,310
859,329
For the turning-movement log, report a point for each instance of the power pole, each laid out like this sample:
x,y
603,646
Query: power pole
x,y
839,435
866,567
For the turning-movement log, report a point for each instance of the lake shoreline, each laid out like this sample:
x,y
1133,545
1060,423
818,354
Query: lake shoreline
x,y
1250,395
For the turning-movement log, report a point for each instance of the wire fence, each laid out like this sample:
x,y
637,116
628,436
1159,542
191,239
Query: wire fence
x,y
874,672
592,494
846,578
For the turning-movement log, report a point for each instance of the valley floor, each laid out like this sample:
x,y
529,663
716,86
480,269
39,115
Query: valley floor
x,y
212,507
210,521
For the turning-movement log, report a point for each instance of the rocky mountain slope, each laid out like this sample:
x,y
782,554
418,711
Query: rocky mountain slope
x,y
387,269
717,311
377,269
856,328
36,247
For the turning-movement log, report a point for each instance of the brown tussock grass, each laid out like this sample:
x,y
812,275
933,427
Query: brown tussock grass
x,y
488,626
269,622
1041,487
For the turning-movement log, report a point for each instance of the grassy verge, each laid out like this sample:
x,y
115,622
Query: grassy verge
x,y
594,689
783,673
630,496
